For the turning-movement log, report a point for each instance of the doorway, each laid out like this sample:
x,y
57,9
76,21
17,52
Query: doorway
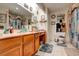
x,y
60,28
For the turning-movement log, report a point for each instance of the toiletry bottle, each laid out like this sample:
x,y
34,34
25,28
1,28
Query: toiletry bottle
x,y
11,29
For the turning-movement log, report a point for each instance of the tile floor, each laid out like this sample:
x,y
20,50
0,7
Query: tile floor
x,y
60,50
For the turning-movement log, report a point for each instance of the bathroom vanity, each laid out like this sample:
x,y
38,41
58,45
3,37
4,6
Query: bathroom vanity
x,y
21,44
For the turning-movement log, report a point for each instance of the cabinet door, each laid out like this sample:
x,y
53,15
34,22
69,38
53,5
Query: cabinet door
x,y
6,44
9,46
28,45
12,52
29,49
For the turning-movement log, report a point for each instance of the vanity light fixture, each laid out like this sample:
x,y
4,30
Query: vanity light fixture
x,y
26,6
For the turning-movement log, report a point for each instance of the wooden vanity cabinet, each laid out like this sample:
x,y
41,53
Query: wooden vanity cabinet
x,y
28,45
10,46
37,41
21,45
42,37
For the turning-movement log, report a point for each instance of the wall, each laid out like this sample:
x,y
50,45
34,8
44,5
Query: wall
x,y
39,10
44,11
68,17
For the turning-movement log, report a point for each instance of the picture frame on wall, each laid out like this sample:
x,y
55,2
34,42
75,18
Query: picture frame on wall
x,y
53,16
35,19
42,17
52,22
2,18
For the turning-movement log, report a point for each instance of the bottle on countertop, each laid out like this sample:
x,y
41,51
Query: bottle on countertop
x,y
11,29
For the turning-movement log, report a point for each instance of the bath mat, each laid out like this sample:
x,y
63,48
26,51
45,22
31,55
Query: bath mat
x,y
61,44
46,48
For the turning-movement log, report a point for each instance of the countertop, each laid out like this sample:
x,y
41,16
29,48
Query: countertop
x,y
4,36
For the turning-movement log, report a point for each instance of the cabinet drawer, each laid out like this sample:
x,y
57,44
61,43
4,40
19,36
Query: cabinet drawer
x,y
28,38
9,43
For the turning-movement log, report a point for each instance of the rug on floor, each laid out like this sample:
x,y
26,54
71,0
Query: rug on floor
x,y
61,44
46,48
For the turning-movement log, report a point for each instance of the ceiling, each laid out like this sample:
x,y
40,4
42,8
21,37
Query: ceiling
x,y
15,8
54,7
